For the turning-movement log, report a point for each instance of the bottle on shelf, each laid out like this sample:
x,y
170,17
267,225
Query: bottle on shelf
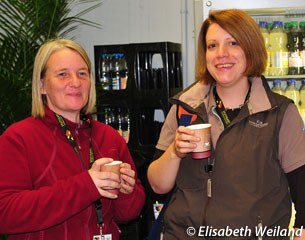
x,y
269,26
105,72
125,121
278,50
294,59
119,119
292,91
277,87
302,46
123,71
287,28
116,68
263,28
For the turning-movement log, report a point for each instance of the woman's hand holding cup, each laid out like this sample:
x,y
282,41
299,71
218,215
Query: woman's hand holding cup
x,y
106,177
127,178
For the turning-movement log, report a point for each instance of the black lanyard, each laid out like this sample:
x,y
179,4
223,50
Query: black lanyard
x,y
70,138
222,111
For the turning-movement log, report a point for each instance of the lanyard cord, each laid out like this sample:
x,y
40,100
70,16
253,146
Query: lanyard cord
x,y
226,119
70,138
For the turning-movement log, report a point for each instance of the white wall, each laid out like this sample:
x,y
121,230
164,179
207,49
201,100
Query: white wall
x,y
138,21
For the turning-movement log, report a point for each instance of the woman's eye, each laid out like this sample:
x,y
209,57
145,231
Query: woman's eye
x,y
213,45
62,74
233,43
83,73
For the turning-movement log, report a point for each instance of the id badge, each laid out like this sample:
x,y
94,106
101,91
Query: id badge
x,y
102,237
157,209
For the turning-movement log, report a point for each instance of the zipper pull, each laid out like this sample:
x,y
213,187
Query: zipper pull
x,y
209,187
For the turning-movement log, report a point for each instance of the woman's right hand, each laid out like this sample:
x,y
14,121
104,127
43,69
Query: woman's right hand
x,y
185,141
163,171
104,180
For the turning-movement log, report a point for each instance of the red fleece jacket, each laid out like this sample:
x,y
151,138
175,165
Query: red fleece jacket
x,y
45,191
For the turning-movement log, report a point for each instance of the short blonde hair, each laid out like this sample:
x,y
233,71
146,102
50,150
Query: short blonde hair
x,y
42,57
245,31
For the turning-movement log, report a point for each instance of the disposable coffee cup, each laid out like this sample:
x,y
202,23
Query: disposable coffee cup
x,y
203,149
115,168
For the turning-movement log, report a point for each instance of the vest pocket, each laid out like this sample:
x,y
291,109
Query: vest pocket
x,y
191,174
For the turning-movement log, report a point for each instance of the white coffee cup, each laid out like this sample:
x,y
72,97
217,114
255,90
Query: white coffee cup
x,y
203,149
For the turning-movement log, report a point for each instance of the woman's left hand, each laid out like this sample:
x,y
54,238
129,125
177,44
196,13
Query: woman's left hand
x,y
127,178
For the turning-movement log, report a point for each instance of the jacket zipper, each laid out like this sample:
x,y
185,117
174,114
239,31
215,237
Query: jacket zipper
x,y
209,171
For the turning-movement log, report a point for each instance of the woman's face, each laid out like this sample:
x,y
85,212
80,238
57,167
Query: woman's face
x,y
226,60
66,83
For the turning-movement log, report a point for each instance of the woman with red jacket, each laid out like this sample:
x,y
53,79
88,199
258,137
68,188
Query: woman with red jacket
x,y
51,186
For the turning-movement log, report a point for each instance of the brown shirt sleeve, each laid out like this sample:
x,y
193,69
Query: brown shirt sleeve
x,y
292,140
168,130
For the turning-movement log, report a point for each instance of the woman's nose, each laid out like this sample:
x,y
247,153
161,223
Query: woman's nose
x,y
75,81
222,51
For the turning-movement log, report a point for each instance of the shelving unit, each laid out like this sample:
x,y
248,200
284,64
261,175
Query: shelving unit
x,y
154,74
284,79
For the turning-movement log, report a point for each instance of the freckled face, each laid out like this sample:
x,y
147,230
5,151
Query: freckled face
x,y
226,60
66,83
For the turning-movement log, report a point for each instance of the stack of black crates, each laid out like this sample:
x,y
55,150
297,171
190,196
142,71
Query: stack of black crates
x,y
134,82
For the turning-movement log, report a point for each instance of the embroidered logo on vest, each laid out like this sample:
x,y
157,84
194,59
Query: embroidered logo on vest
x,y
258,124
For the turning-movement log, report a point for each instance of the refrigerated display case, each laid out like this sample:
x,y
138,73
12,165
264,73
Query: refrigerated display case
x,y
134,83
